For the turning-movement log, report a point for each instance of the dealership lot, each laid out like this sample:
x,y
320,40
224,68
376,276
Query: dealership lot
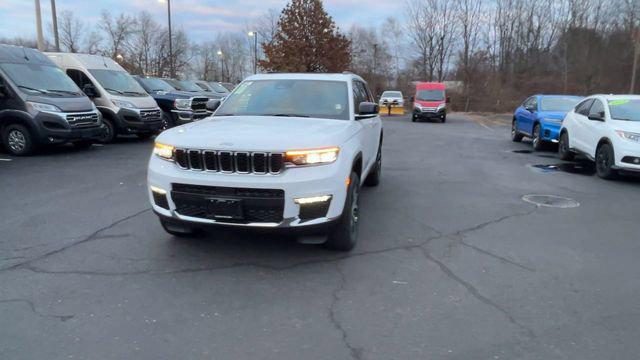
x,y
451,263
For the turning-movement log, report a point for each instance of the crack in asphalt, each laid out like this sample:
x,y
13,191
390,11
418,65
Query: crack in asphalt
x,y
356,353
475,293
35,311
90,237
496,256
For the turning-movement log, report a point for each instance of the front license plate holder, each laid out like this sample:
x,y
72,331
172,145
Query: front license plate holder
x,y
225,209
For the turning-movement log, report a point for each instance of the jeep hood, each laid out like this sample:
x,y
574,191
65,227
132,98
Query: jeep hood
x,y
260,133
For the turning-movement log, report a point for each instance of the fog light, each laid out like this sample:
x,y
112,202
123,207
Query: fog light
x,y
312,200
160,197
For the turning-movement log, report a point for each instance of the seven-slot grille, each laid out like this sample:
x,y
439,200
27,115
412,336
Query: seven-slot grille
x,y
82,119
150,115
199,104
243,162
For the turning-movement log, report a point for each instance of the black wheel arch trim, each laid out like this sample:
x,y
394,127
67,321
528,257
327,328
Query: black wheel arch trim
x,y
12,116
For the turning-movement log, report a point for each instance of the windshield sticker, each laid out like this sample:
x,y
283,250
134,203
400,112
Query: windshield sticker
x,y
618,102
339,107
242,87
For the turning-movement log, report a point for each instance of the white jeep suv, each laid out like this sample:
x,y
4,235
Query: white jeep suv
x,y
605,129
282,151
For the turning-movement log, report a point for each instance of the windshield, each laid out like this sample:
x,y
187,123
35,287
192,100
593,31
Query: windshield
x,y
303,98
560,104
626,109
430,95
184,85
117,82
41,79
155,84
392,94
218,88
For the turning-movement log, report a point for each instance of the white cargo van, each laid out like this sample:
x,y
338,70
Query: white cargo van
x,y
125,106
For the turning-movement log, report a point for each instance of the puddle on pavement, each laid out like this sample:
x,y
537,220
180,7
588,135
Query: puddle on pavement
x,y
572,168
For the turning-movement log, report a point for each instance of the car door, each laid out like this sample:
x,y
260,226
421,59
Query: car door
x,y
577,133
593,128
368,123
524,115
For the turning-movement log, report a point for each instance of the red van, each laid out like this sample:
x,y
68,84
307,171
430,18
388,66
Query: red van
x,y
430,102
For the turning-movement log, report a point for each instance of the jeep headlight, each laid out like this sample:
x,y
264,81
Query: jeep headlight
x,y
312,156
123,104
182,104
163,151
35,107
635,137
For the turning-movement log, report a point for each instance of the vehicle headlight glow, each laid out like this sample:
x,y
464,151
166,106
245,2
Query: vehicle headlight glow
x,y
123,104
312,156
36,107
312,200
629,135
163,151
182,104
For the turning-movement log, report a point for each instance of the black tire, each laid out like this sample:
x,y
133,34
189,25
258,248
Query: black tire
x,y
536,140
605,160
109,133
515,135
144,136
413,118
373,179
344,235
564,151
443,119
83,144
181,231
18,140
167,121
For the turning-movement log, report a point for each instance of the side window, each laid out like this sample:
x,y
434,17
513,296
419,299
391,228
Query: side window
x,y
531,103
597,108
370,97
359,95
79,78
583,107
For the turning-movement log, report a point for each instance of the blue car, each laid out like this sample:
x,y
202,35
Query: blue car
x,y
540,118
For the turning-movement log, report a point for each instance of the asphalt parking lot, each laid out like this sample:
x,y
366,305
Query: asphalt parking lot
x,y
452,263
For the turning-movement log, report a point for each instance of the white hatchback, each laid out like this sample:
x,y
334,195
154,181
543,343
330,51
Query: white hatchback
x,y
605,129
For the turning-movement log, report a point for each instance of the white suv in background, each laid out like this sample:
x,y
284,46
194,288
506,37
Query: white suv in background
x,y
283,151
605,129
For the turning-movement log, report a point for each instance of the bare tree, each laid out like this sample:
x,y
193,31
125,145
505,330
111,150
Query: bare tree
x,y
118,32
71,31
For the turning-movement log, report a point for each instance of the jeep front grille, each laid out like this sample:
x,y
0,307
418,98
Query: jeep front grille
x,y
242,162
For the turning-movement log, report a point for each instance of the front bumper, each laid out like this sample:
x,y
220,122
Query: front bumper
x,y
626,152
294,182
550,131
139,121
181,117
420,114
58,128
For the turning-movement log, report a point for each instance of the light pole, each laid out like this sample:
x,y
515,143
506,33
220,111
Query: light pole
x,y
171,67
55,25
39,26
254,35
221,55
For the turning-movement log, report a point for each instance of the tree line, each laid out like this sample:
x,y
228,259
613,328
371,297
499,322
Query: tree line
x,y
495,52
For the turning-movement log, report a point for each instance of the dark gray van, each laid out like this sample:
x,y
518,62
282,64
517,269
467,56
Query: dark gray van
x,y
40,105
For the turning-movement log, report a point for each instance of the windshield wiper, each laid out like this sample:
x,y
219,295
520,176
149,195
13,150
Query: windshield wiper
x,y
64,91
41,91
115,91
133,92
228,114
288,115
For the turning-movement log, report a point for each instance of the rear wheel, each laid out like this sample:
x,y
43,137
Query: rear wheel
x,y
604,162
515,135
167,121
344,235
564,151
18,140
109,133
536,140
444,118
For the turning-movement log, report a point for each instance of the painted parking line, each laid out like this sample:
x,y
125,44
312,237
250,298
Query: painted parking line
x,y
485,126
3,159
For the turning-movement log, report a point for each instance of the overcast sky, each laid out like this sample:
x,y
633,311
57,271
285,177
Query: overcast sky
x,y
200,18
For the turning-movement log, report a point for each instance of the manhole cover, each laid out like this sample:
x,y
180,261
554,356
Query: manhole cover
x,y
551,201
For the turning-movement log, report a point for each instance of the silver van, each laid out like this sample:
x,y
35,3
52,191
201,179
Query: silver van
x,y
125,106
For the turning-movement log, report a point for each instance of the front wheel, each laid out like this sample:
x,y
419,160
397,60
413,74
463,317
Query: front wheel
x,y
604,162
109,133
515,135
413,118
564,151
344,235
537,141
18,140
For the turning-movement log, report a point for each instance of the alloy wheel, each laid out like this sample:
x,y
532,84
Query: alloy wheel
x,y
16,141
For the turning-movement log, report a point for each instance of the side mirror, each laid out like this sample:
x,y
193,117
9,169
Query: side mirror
x,y
530,108
213,105
599,116
90,90
448,99
368,108
412,99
